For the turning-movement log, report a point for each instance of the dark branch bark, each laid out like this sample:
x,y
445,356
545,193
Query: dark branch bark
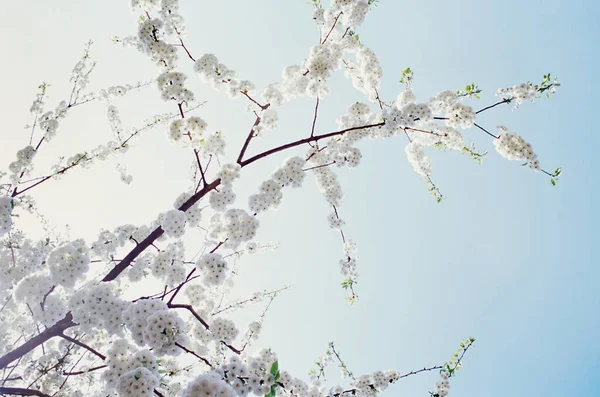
x,y
83,345
156,233
16,391
56,330
305,140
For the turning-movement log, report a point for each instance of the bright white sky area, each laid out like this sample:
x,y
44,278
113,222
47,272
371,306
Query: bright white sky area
x,y
506,257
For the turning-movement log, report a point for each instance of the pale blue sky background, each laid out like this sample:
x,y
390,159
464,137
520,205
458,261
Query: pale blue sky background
x,y
506,258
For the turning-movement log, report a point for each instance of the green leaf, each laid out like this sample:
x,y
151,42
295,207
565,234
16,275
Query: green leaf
x,y
275,368
553,182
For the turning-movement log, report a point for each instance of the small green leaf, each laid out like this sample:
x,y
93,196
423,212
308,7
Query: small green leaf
x,y
275,368
553,182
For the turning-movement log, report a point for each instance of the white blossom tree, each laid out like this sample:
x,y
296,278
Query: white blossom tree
x,y
134,312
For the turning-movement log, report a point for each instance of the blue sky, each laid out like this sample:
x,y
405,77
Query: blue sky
x,y
506,257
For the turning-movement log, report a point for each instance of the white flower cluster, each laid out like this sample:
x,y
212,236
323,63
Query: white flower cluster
x,y
68,263
24,259
442,388
48,123
253,330
358,114
343,154
45,371
151,42
252,376
139,382
295,81
37,107
114,120
133,374
173,223
169,12
443,101
208,385
310,78
108,242
353,13
272,94
213,267
268,120
518,93
219,200
223,329
329,185
460,115
405,97
187,130
512,147
417,112
220,76
32,289
194,213
269,196
6,207
138,270
289,174
379,380
114,91
170,85
334,221
23,163
418,159
366,74
167,265
164,329
457,114
125,176
135,317
55,308
452,138
322,60
348,267
348,264
234,226
229,173
96,306
214,145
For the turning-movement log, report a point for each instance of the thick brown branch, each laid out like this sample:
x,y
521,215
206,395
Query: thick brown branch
x,y
56,330
16,391
156,233
306,140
